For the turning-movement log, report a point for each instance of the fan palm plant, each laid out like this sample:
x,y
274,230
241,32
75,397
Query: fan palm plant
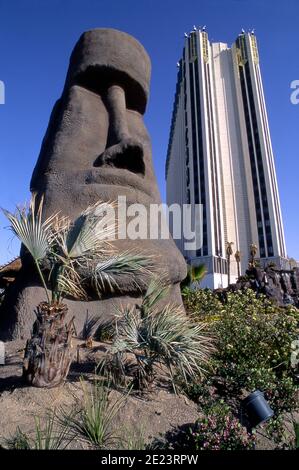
x,y
66,248
195,274
157,336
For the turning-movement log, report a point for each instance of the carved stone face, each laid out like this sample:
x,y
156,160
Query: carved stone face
x,y
96,146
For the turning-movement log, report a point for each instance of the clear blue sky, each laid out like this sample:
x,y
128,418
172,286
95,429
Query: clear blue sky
x,y
37,36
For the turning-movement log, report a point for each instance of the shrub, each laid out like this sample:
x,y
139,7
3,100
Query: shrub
x,y
202,304
220,430
217,429
156,336
254,341
281,432
253,345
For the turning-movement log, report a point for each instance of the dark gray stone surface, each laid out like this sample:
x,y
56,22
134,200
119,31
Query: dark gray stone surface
x,y
280,285
97,147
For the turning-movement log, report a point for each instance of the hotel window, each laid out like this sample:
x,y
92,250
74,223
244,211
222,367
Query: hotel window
x,y
187,176
192,47
205,47
188,196
254,49
242,48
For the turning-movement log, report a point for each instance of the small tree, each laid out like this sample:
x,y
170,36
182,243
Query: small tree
x,y
238,261
229,252
253,253
65,247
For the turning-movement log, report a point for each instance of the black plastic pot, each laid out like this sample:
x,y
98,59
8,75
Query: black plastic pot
x,y
257,408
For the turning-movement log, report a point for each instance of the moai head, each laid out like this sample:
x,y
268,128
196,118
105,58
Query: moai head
x,y
97,147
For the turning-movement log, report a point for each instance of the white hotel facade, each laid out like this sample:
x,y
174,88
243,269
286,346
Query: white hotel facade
x,y
220,155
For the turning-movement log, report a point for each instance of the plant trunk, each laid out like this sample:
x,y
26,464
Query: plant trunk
x,y
238,267
228,270
48,353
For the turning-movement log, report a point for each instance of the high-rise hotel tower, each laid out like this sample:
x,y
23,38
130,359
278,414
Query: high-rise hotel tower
x,y
220,155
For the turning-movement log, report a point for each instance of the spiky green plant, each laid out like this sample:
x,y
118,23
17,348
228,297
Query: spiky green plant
x,y
89,326
36,235
107,271
157,336
50,435
18,441
92,419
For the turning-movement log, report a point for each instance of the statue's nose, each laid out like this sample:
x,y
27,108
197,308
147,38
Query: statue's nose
x,y
127,154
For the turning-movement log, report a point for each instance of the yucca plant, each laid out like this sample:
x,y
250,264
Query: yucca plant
x,y
49,434
157,336
67,249
91,420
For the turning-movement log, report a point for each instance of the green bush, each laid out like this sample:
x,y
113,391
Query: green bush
x,y
253,344
220,430
202,304
217,429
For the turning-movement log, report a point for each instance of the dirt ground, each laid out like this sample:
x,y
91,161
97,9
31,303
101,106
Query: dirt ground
x,y
155,413
151,415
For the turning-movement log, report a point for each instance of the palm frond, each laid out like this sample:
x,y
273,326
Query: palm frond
x,y
194,274
89,326
180,343
128,330
91,231
32,232
198,272
69,282
154,294
108,271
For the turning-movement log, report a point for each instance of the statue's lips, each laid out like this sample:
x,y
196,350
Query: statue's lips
x,y
120,178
